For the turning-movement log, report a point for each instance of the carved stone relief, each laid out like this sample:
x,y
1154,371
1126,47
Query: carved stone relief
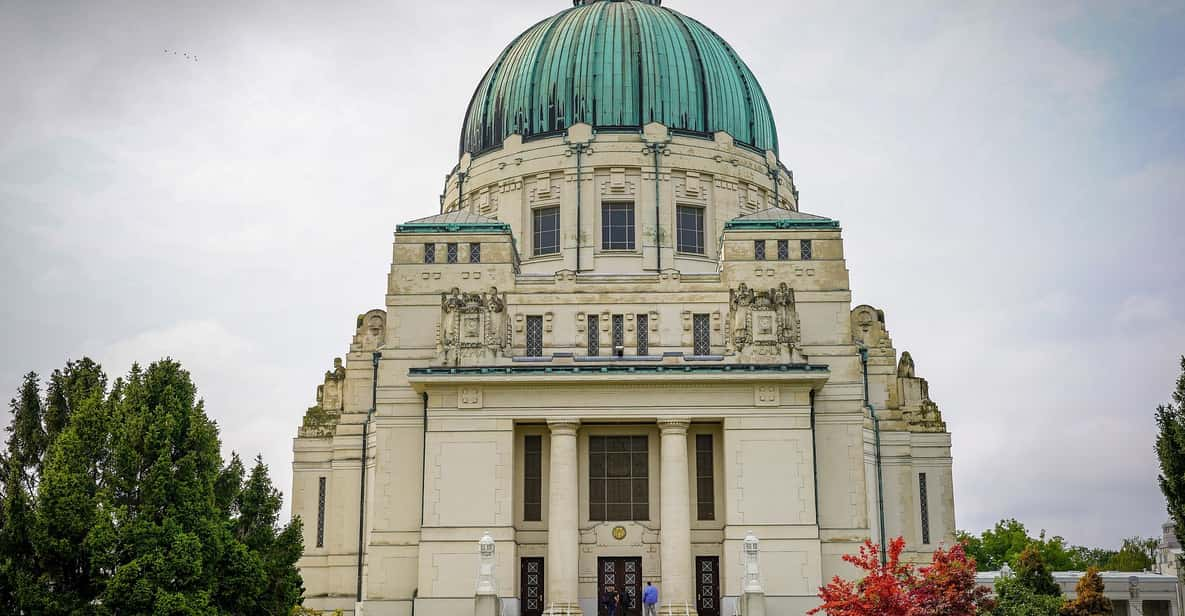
x,y
473,326
321,419
920,413
868,328
371,331
763,325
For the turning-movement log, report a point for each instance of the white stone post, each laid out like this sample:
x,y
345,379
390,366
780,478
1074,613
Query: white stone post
x,y
563,534
753,599
486,602
1135,606
675,520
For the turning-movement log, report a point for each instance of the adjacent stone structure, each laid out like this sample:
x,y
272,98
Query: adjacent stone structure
x,y
618,349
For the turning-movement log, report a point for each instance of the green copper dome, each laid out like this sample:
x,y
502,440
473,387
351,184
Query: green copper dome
x,y
618,64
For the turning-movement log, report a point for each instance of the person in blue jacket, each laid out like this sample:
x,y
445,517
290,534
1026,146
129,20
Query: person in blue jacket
x,y
649,599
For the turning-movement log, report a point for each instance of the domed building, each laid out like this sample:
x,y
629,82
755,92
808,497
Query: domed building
x,y
622,351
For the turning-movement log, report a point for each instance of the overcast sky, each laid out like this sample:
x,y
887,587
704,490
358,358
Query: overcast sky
x,y
1010,177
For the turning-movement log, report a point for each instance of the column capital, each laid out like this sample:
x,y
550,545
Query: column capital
x,y
563,425
673,425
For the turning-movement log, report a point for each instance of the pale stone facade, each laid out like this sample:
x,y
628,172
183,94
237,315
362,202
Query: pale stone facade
x,y
750,393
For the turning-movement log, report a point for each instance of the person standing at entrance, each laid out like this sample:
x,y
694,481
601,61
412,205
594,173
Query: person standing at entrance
x,y
649,599
611,601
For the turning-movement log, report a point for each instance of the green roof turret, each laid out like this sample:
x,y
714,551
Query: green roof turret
x,y
618,65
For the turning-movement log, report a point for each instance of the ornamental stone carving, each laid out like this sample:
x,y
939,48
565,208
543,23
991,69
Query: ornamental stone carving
x,y
920,413
370,332
321,419
764,325
868,329
474,327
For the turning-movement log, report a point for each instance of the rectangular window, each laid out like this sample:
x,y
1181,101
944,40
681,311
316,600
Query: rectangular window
x,y
804,247
759,250
546,231
618,486
475,252
689,229
925,508
618,332
321,512
594,335
534,336
702,331
429,253
617,226
783,250
533,478
705,485
452,252
643,321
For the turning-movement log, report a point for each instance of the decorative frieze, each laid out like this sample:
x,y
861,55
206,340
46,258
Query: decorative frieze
x,y
473,326
764,325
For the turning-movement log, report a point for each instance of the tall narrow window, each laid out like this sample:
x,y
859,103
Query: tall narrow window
x,y
689,229
705,486
804,247
618,485
451,252
429,253
702,331
594,335
532,478
321,512
759,250
545,231
618,332
475,252
643,321
534,336
783,250
925,506
617,226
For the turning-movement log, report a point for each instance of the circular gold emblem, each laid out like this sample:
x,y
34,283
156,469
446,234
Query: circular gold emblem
x,y
619,532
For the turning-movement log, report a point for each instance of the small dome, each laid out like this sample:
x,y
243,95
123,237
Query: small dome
x,y
618,64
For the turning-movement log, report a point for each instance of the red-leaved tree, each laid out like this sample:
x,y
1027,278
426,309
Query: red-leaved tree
x,y
946,586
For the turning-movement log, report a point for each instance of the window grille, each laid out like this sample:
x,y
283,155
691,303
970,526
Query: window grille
x,y
429,253
533,478
321,512
705,485
618,478
689,229
925,506
759,250
783,250
594,335
804,247
546,231
534,336
452,253
617,226
475,252
643,322
702,332
618,332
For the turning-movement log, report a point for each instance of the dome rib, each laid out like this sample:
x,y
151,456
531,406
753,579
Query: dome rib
x,y
618,65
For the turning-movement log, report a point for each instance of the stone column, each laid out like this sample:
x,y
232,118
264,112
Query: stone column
x,y
563,533
675,518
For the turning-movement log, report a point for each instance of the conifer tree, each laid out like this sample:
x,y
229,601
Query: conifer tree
x,y
1090,600
24,449
1170,449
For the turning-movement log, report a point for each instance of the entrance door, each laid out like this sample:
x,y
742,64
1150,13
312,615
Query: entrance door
x,y
530,595
624,574
707,588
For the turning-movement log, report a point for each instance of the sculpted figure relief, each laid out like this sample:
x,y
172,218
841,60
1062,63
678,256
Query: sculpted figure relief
x,y
764,324
473,324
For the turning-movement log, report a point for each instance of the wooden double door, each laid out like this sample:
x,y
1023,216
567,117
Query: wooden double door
x,y
625,575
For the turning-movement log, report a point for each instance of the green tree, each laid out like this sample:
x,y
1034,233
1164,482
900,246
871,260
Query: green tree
x,y
1137,554
134,512
1083,558
1089,599
1004,543
1170,449
1033,574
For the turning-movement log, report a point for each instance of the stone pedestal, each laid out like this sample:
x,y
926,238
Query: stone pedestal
x,y
487,605
678,598
563,515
